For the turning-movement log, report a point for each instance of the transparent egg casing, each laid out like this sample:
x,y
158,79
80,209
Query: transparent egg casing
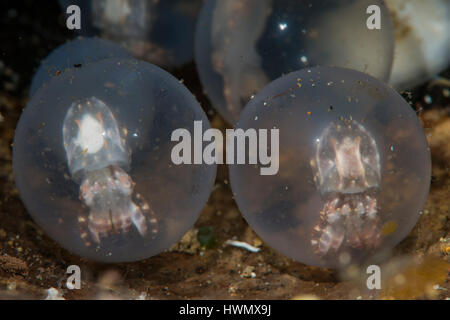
x,y
161,32
75,54
422,41
92,160
242,45
354,168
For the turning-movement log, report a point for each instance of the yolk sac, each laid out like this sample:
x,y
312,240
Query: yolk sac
x,y
75,54
422,41
242,45
161,32
92,160
354,167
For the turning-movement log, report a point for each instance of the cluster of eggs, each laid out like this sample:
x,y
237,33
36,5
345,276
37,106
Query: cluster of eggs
x,y
242,45
92,151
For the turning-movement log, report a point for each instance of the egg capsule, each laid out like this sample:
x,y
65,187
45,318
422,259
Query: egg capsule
x,y
92,160
75,54
242,45
161,32
354,167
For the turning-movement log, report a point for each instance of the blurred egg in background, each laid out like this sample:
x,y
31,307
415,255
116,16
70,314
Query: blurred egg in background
x,y
241,45
422,40
161,32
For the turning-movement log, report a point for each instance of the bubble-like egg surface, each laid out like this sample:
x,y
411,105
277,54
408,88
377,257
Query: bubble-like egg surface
x,y
161,32
75,54
92,160
242,45
354,167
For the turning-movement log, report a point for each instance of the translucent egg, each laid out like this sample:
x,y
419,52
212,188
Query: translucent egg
x,y
75,54
161,32
92,160
241,45
422,41
353,167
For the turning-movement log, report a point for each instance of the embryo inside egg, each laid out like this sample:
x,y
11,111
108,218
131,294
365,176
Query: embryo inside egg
x,y
354,167
161,32
92,160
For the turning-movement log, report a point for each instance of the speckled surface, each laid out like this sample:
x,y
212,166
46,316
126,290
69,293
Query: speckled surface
x,y
240,46
60,162
285,208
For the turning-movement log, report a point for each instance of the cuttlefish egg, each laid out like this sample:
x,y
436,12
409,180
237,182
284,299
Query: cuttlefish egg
x,y
92,160
353,167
